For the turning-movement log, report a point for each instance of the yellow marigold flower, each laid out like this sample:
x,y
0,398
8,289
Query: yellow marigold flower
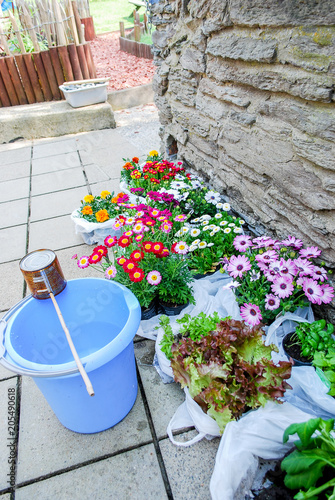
x,y
114,200
102,215
153,153
88,198
104,194
87,210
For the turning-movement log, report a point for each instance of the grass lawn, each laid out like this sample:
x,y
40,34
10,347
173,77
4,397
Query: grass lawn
x,y
108,13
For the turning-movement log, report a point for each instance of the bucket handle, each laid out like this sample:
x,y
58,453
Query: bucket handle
x,y
16,368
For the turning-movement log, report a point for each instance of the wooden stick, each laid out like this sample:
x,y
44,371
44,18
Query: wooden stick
x,y
3,40
17,32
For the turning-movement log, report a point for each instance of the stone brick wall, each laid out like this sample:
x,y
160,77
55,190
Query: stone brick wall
x,y
245,91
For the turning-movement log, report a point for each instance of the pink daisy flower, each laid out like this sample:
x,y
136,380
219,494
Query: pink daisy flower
x,y
264,241
139,237
327,293
292,241
117,225
310,252
83,262
138,227
272,302
110,272
251,314
180,218
242,243
110,241
282,286
154,212
319,273
181,247
313,291
154,277
267,257
128,233
238,265
166,226
304,267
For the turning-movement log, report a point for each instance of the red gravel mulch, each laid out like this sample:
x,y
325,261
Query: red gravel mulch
x,y
124,70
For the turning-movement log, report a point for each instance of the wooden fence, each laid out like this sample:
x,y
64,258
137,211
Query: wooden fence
x,y
60,54
130,42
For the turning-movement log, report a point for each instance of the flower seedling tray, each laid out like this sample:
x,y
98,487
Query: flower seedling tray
x,y
85,92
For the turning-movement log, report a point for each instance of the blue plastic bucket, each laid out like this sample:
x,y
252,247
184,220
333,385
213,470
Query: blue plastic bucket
x,y
102,317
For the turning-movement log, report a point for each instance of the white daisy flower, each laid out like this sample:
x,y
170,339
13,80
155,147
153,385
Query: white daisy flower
x,y
218,215
226,207
196,184
130,221
210,244
195,232
194,221
178,233
205,217
196,242
179,185
231,224
223,223
206,228
219,205
238,230
215,229
227,230
202,244
212,197
242,222
192,248
184,230
212,233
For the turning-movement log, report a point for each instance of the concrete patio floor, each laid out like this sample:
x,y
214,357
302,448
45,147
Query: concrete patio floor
x,y
41,183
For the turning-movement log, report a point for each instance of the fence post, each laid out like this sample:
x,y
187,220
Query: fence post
x,y
122,32
137,32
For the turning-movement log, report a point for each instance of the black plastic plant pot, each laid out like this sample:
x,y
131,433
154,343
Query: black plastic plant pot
x,y
292,350
171,310
150,311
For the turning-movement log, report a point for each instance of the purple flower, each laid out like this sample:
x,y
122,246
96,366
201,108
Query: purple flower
x,y
271,302
310,252
292,241
242,242
251,314
282,286
304,267
238,265
313,290
267,257
284,267
327,293
319,273
264,241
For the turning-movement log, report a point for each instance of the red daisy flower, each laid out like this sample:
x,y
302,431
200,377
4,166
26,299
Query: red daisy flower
x,y
147,246
121,260
137,255
94,258
110,241
129,266
101,249
124,241
157,247
137,275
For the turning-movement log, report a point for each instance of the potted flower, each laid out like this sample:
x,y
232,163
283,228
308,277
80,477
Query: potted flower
x,y
96,215
209,239
273,277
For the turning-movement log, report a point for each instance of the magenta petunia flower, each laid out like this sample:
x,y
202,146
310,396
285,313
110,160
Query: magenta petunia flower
x,y
313,290
292,241
83,262
238,265
327,294
251,314
154,277
242,242
310,252
110,272
272,302
282,286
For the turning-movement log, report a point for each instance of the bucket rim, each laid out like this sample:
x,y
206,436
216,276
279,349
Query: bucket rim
x,y
90,362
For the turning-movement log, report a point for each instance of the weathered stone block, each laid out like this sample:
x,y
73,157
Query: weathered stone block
x,y
228,45
193,60
211,107
230,94
284,13
275,79
320,152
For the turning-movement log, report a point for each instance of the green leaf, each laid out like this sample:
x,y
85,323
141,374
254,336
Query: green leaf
x,y
304,430
302,471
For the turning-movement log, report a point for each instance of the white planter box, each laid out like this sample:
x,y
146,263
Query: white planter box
x,y
93,232
84,95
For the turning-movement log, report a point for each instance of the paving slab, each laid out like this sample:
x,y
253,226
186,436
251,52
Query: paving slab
x,y
55,204
57,181
53,233
46,446
103,156
190,468
163,399
132,475
14,213
95,174
98,139
13,243
7,440
11,290
14,170
55,147
112,185
14,153
14,189
55,163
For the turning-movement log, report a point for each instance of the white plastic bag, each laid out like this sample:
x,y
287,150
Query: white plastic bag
x,y
258,433
93,232
189,414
